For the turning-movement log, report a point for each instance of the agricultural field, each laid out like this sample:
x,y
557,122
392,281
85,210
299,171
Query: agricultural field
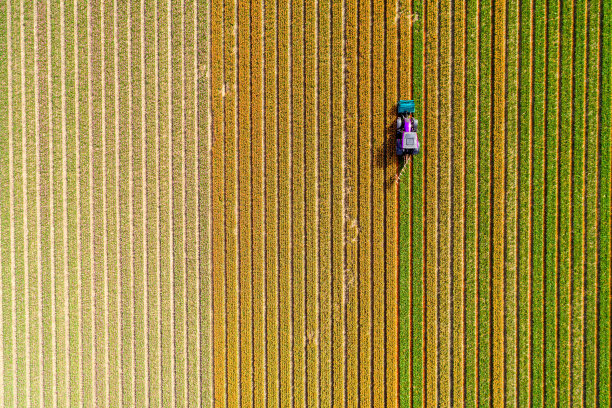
x,y
505,219
199,203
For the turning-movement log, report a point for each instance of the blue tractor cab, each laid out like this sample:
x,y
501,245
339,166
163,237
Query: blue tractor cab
x,y
407,141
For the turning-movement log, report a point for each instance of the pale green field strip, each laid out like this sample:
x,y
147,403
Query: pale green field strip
x,y
103,129
517,226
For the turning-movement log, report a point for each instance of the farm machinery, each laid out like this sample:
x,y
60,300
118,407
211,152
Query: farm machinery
x,y
406,139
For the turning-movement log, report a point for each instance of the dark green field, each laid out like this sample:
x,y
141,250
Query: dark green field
x,y
505,218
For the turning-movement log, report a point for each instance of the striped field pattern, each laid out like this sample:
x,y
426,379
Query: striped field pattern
x,y
104,231
505,249
199,203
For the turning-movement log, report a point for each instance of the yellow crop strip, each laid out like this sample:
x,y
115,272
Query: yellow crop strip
x,y
217,93
298,203
430,154
352,230
458,138
258,205
499,188
271,213
244,209
284,194
337,181
324,183
444,204
364,281
390,190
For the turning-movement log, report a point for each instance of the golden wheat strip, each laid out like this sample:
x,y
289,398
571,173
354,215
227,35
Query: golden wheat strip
x,y
218,212
445,227
403,250
458,124
313,367
337,180
364,280
351,191
430,158
284,194
391,289
499,185
258,204
297,204
271,206
378,203
244,174
324,182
